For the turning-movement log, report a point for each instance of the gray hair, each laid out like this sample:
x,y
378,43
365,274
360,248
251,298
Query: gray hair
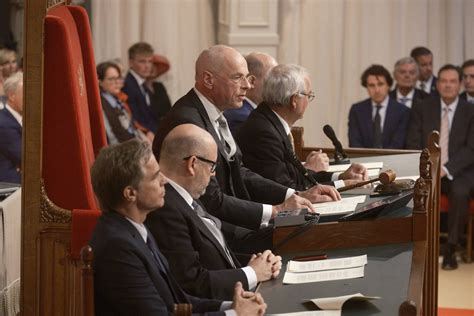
x,y
406,60
12,83
282,82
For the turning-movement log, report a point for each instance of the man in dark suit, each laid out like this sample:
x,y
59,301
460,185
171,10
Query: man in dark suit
x,y
468,81
258,64
264,137
426,80
131,276
190,238
11,129
140,58
236,194
405,73
380,121
454,118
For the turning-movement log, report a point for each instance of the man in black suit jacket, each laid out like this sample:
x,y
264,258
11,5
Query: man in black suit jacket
x,y
264,137
405,73
426,80
131,276
468,81
191,239
235,194
380,121
457,173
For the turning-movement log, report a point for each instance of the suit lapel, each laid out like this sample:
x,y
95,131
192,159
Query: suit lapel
x,y
12,119
267,112
389,120
137,87
366,114
458,124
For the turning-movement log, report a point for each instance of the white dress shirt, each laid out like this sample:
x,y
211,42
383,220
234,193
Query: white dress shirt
x,y
408,97
382,111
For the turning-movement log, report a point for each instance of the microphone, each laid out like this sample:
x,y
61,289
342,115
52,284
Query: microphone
x,y
340,156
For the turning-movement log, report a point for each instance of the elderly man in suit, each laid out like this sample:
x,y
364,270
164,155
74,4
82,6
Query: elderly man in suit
x,y
258,64
405,73
380,121
131,276
11,129
453,117
264,137
235,194
468,81
426,80
190,238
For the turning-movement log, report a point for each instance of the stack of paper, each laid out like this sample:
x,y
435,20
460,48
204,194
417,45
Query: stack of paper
x,y
371,166
324,270
344,206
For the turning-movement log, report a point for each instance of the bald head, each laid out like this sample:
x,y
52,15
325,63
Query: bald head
x,y
258,64
220,76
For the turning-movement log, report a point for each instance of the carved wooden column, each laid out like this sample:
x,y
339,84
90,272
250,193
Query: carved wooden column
x,y
249,25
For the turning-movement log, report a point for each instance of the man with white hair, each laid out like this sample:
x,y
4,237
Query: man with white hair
x,y
405,73
11,129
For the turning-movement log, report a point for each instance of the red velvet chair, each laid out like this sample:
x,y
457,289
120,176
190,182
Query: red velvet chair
x,y
444,207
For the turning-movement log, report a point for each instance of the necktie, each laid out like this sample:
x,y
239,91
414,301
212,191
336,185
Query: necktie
x,y
226,137
377,128
292,140
423,86
214,225
444,137
146,93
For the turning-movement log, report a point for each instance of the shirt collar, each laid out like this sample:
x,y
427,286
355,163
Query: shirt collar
x,y
137,77
251,103
469,98
15,114
284,123
140,227
452,105
384,103
409,96
212,111
182,191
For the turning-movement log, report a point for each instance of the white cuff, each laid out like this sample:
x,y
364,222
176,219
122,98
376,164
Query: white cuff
x,y
266,215
251,277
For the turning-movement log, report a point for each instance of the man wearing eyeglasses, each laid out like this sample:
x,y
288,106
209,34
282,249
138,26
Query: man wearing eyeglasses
x,y
190,238
265,138
236,194
379,121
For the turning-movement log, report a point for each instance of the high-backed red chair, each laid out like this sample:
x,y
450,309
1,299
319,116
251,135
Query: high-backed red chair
x,y
444,207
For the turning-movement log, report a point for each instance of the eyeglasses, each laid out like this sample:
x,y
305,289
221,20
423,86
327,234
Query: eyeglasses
x,y
114,79
212,163
239,79
310,95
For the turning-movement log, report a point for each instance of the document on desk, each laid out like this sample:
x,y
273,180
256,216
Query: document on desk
x,y
328,264
320,276
343,206
368,165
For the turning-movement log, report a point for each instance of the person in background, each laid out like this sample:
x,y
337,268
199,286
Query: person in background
x,y
159,100
11,130
379,121
118,120
405,73
426,80
468,81
8,66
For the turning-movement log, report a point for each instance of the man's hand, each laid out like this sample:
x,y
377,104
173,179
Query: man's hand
x,y
294,202
247,303
266,265
317,161
355,172
321,193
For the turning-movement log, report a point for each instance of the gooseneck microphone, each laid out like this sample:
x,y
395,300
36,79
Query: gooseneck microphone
x,y
340,156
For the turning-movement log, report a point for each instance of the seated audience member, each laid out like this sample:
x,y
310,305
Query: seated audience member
x,y
236,194
118,120
265,138
426,80
453,117
468,80
11,129
159,100
258,64
379,121
405,73
140,59
190,238
131,276
8,66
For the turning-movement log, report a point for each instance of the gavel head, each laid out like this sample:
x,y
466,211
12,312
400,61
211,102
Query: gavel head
x,y
388,176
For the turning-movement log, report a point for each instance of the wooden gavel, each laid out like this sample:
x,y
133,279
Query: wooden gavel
x,y
386,177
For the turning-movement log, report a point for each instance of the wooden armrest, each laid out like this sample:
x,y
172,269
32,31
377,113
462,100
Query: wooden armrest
x,y
183,309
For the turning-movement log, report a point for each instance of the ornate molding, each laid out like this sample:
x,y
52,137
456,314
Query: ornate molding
x,y
425,164
53,3
50,212
420,196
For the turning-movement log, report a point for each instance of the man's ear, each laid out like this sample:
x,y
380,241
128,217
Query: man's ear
x,y
190,163
129,194
208,79
293,101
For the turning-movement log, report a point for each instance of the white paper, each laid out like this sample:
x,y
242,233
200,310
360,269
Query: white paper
x,y
335,303
343,206
320,276
327,264
373,172
310,313
368,165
